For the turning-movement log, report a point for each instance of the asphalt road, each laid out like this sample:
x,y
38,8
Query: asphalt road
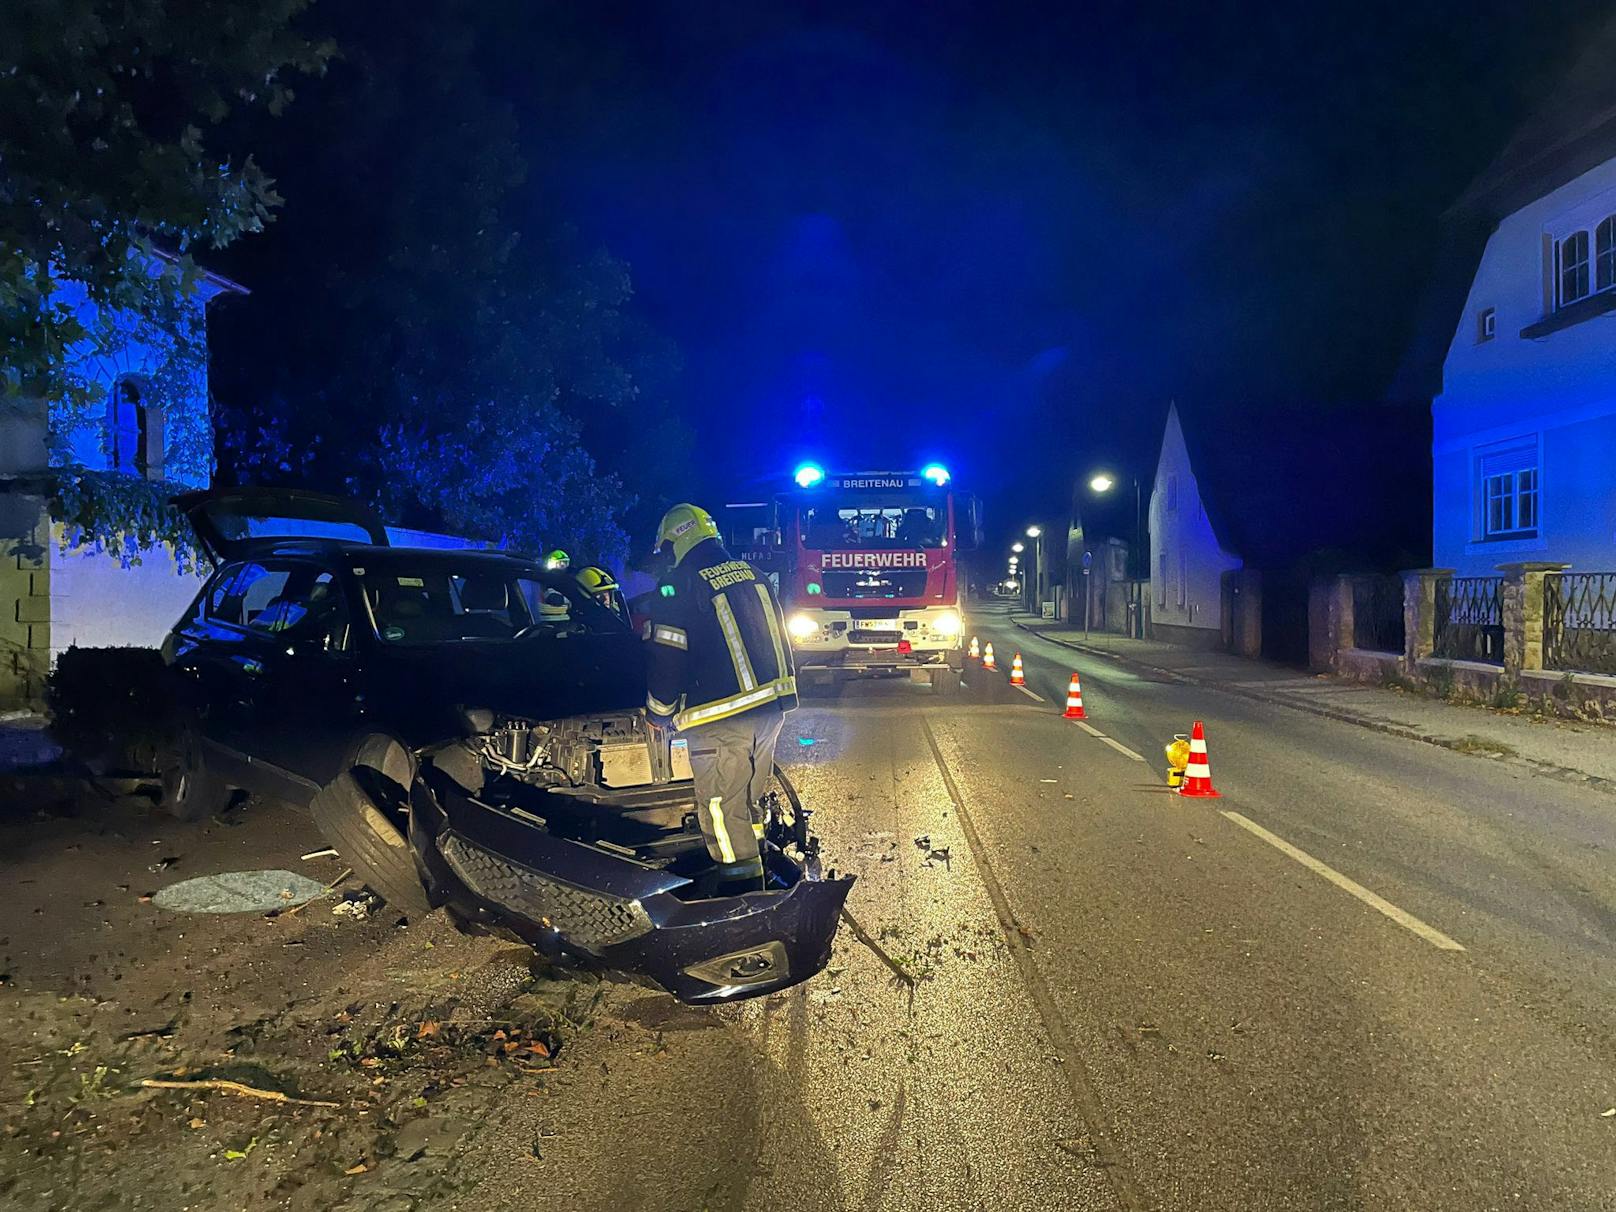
x,y
1373,975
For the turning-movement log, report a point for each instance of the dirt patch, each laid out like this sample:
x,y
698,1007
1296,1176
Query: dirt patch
x,y
413,1031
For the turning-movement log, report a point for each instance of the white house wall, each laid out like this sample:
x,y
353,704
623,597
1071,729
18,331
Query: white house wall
x,y
95,602
1557,391
1186,561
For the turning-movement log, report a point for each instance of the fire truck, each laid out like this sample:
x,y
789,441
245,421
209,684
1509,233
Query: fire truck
x,y
867,566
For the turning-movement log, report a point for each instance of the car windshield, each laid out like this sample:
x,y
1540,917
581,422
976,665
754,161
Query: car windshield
x,y
437,605
864,520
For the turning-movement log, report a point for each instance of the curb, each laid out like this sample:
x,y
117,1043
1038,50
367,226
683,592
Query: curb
x,y
1565,774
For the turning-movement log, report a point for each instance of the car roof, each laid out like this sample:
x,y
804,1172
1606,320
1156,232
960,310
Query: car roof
x,y
369,553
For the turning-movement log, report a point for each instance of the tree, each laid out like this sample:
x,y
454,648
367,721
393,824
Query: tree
x,y
421,307
107,112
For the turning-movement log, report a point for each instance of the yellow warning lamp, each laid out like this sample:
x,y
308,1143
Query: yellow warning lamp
x,y
1178,757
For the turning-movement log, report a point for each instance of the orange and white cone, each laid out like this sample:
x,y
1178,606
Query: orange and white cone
x,y
987,656
1198,774
975,652
1017,677
1074,699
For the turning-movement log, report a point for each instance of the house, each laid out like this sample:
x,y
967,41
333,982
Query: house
x,y
90,553
1522,387
1249,503
1188,556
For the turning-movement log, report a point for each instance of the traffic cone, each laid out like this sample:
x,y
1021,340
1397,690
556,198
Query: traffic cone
x,y
1198,775
987,656
975,651
1074,699
1017,677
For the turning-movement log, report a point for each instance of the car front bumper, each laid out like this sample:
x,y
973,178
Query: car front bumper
x,y
563,896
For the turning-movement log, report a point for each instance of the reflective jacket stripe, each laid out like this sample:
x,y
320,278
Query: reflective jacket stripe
x,y
773,622
673,637
715,811
658,707
732,639
736,703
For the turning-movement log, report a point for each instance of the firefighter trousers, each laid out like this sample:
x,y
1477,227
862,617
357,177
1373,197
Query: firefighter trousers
x,y
732,762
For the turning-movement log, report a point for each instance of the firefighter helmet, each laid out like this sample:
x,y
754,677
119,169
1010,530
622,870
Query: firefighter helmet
x,y
557,560
596,581
683,527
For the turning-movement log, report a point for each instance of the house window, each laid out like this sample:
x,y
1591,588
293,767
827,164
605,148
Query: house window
x,y
1161,579
1172,494
1486,324
1605,254
1572,259
135,430
1510,491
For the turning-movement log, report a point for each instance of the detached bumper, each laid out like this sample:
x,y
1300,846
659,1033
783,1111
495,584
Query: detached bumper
x,y
563,896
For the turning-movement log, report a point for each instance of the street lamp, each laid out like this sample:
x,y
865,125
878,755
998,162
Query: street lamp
x,y
1018,547
1102,482
1036,581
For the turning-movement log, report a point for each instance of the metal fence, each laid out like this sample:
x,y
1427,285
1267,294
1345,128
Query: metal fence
x,y
1377,613
1469,619
1579,621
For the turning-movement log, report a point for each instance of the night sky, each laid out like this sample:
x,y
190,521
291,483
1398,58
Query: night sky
x,y
1006,235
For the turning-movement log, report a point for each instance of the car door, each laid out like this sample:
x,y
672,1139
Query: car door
x,y
310,704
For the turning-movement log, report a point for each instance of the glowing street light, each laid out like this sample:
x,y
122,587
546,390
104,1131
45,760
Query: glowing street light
x,y
1018,547
1102,482
1034,531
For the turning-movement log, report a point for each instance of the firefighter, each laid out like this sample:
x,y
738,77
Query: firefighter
x,y
721,673
603,587
557,560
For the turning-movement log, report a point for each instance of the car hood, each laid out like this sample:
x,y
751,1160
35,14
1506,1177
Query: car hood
x,y
543,678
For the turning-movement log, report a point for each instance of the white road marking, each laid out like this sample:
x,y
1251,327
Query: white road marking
x,y
1407,920
1120,748
1088,728
1030,694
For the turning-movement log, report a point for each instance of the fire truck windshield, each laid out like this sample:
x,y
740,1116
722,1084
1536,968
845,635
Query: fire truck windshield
x,y
866,520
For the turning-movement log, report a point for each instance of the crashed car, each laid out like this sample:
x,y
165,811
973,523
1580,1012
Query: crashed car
x,y
465,728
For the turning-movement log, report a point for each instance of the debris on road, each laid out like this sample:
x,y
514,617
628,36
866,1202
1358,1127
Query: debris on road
x,y
358,905
237,892
938,855
324,852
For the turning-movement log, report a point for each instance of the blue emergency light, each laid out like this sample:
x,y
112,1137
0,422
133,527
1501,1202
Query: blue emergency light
x,y
936,473
808,475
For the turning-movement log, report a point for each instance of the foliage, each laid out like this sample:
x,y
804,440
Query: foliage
x,y
1507,695
121,515
106,116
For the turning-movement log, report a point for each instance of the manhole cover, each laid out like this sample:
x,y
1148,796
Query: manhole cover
x,y
238,892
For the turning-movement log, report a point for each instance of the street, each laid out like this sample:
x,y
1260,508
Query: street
x,y
1374,974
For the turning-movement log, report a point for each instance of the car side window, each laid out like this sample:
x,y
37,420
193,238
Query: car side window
x,y
257,596
217,605
311,607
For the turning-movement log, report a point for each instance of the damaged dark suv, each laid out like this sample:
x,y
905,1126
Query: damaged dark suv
x,y
465,728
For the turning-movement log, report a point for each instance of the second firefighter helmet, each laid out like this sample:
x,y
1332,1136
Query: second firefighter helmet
x,y
683,527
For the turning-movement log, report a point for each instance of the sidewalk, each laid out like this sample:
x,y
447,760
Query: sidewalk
x,y
1577,752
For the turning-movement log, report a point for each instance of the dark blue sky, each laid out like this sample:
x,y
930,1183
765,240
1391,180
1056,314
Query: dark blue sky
x,y
1007,234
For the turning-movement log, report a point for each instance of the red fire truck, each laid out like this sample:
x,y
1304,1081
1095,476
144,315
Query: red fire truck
x,y
867,564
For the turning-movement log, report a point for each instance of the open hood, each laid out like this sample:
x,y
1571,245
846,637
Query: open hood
x,y
231,522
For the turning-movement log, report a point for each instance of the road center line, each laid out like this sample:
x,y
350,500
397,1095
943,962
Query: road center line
x,y
1120,748
1118,1172
1030,693
1089,728
1407,920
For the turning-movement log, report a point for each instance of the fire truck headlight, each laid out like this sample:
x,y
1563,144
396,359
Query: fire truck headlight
x,y
948,623
801,626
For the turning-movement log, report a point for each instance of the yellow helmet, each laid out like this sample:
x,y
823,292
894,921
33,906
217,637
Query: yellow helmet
x,y
683,527
596,580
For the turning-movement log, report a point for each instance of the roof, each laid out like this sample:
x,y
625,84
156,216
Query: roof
x,y
1573,131
1348,487
221,284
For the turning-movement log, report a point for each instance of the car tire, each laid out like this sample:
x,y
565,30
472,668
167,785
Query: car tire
x,y
187,789
365,814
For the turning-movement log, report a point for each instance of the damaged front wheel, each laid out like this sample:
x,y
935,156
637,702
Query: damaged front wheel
x,y
348,813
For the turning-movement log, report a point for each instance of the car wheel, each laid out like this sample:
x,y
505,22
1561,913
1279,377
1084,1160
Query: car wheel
x,y
187,789
364,813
